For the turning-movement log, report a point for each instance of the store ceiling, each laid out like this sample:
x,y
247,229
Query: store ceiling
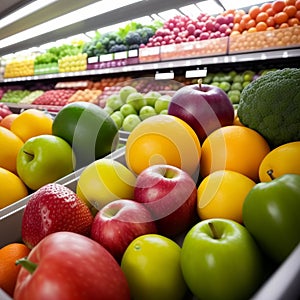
x,y
62,7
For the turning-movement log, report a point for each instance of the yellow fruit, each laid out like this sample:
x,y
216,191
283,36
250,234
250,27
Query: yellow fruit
x,y
10,144
281,160
163,139
31,122
235,148
221,195
12,188
105,180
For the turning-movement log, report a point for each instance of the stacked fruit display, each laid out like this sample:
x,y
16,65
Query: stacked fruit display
x,y
86,95
73,63
54,97
19,67
128,105
125,38
187,163
14,96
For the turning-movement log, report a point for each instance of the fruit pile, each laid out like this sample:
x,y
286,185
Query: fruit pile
x,y
72,63
86,95
151,217
267,16
58,97
14,96
19,67
128,107
125,38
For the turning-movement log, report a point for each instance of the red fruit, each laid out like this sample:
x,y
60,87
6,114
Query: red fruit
x,y
53,208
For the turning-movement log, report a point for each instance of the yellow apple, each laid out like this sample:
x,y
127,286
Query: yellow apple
x,y
105,180
281,160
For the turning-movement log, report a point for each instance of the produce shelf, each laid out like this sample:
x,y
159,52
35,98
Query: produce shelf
x,y
281,285
171,64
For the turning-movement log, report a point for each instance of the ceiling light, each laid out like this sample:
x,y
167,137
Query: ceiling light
x,y
90,11
229,4
190,10
169,14
210,7
25,11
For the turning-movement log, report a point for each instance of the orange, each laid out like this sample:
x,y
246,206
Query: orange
x,y
293,22
9,271
163,139
235,148
270,21
281,17
221,194
281,160
261,17
10,144
290,2
266,6
31,122
254,11
278,6
297,4
12,188
6,121
261,26
290,10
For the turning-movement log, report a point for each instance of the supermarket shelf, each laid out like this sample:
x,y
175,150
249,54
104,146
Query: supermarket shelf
x,y
172,64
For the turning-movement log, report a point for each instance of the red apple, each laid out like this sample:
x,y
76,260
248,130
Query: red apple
x,y
118,223
170,194
204,107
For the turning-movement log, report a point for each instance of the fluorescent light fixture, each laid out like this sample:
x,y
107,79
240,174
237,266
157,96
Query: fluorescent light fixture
x,y
210,7
168,14
190,10
25,11
143,20
228,4
90,11
156,17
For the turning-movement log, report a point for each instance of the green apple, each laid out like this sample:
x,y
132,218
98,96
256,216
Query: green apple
x,y
271,213
225,86
125,91
118,118
127,109
137,100
44,159
220,260
114,102
104,181
151,97
130,122
162,103
164,112
151,264
146,112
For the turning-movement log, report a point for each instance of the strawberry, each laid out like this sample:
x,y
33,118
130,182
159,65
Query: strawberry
x,y
54,207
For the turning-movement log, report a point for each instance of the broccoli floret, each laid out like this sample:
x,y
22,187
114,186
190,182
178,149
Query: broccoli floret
x,y
271,106
132,38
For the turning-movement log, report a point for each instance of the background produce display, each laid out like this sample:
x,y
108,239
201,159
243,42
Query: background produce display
x,y
123,204
200,210
267,26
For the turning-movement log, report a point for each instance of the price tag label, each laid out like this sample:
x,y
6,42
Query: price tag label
x,y
133,53
195,73
93,59
106,57
121,55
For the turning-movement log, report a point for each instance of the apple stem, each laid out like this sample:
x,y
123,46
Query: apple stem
x,y
27,264
200,81
215,234
270,173
28,153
